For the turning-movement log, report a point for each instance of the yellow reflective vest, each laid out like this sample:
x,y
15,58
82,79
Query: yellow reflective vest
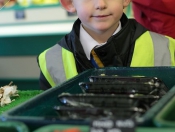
x,y
151,49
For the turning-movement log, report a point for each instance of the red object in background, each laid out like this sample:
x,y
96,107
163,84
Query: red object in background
x,y
156,15
68,130
7,3
1,3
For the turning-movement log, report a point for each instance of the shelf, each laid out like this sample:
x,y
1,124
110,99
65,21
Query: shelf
x,y
35,20
18,7
36,29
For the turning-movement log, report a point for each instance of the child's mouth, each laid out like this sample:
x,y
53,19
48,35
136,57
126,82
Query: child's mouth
x,y
101,16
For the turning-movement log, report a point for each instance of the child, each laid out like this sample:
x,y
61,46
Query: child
x,y
103,30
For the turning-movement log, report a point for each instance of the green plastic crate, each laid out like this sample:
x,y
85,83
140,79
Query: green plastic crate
x,y
151,129
56,128
85,128
166,117
38,111
13,126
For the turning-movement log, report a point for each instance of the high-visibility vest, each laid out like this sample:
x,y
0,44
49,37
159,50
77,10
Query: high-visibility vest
x,y
151,49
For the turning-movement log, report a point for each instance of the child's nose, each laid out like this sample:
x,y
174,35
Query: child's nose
x,y
100,4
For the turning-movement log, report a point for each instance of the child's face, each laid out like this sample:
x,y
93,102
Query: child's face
x,y
99,15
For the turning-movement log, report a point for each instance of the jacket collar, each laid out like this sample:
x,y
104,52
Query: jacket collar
x,y
118,46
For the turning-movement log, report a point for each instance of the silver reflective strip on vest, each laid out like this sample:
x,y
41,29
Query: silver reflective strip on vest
x,y
55,64
161,50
